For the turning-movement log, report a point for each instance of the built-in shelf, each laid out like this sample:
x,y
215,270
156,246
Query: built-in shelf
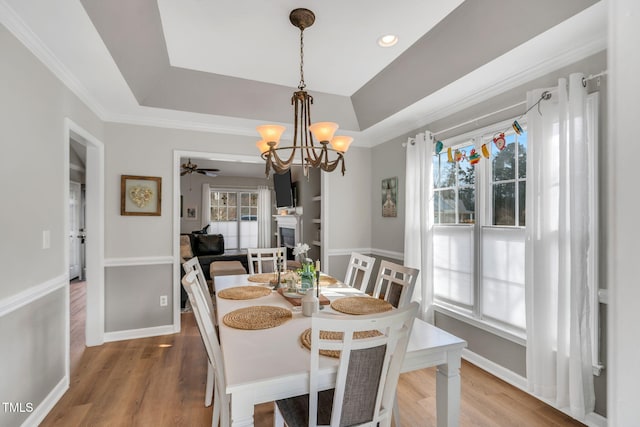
x,y
317,198
316,243
317,221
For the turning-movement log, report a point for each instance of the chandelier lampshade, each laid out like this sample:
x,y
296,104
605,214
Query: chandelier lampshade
x,y
313,153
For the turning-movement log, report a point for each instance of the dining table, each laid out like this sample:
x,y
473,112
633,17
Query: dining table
x,y
265,365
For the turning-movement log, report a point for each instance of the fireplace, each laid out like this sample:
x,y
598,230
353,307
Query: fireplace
x,y
289,232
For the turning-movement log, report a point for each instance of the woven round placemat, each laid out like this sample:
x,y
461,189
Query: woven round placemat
x,y
305,339
257,317
270,278
244,292
360,305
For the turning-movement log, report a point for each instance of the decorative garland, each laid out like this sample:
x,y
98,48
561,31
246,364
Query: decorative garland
x,y
498,139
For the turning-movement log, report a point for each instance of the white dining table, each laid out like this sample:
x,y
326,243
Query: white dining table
x,y
270,364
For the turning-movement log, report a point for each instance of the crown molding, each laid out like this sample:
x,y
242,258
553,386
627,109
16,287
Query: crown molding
x,y
16,26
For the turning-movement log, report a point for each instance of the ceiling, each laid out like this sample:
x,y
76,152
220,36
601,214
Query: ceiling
x,y
226,66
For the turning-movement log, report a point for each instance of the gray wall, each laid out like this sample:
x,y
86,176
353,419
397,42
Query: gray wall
x,y
127,288
388,235
33,107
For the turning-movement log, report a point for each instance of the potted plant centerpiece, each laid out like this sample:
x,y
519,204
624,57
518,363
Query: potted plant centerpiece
x,y
307,271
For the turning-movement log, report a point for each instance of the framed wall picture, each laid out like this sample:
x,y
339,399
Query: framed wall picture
x,y
390,197
192,213
140,195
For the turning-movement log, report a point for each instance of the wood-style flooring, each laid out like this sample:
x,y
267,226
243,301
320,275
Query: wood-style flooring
x,y
160,381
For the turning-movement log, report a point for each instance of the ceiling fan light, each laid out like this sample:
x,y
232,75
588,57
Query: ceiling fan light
x,y
341,143
323,131
271,133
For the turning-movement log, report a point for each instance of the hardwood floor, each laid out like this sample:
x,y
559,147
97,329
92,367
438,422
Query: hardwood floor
x,y
160,381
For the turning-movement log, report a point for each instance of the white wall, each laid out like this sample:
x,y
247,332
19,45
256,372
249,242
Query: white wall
x,y
34,281
624,110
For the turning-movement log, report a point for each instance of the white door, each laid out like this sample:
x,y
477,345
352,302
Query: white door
x,y
75,200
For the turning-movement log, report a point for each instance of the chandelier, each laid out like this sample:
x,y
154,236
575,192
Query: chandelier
x,y
312,154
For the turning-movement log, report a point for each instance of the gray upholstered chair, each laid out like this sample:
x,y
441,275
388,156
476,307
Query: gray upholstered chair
x,y
395,282
367,374
359,271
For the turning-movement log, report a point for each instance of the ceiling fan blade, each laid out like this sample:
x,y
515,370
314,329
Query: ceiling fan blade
x,y
184,173
211,174
209,169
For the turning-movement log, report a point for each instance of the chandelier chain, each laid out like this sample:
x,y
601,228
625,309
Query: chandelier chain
x,y
302,84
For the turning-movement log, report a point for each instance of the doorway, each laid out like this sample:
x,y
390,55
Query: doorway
x,y
92,226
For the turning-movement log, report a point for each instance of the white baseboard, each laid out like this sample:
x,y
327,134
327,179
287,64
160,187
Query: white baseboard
x,y
43,409
132,334
592,419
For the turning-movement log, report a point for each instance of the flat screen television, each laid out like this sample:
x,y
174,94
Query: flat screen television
x,y
284,190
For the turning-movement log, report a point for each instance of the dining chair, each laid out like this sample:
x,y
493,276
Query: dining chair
x,y
367,372
222,401
193,274
194,265
359,271
265,260
397,283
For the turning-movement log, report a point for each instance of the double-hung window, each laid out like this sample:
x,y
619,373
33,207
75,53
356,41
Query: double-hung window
x,y
234,214
479,220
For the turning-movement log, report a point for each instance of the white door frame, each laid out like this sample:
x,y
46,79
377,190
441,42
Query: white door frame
x,y
94,224
177,154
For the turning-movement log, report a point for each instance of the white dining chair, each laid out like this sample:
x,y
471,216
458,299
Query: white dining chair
x,y
265,260
222,401
396,282
192,276
194,265
367,373
359,271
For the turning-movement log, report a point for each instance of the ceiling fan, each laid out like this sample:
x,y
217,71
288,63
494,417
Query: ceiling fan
x,y
189,168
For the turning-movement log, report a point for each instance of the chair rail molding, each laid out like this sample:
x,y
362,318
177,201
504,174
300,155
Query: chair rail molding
x,y
131,261
31,294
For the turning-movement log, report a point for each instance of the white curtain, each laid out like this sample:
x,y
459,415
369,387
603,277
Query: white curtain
x,y
418,228
264,217
559,366
205,214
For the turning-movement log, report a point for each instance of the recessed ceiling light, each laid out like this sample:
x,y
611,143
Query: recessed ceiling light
x,y
387,40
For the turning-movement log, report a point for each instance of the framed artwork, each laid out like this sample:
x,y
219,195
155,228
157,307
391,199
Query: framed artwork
x,y
140,195
390,197
192,213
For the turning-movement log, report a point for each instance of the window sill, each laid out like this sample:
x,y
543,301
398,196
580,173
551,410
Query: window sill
x,y
510,334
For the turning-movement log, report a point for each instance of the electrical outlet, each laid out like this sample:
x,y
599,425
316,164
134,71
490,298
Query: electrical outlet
x,y
163,300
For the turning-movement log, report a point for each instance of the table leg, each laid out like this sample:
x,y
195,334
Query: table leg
x,y
241,411
448,392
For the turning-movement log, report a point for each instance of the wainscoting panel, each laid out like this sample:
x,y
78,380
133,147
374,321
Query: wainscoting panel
x,y
34,352
133,290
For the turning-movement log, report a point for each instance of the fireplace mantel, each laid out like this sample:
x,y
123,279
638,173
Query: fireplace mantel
x,y
290,222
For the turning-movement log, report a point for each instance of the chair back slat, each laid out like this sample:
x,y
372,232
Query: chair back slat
x,y
395,283
265,260
359,271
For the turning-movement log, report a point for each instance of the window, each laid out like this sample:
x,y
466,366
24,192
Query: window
x,y
234,214
508,180
479,218
454,187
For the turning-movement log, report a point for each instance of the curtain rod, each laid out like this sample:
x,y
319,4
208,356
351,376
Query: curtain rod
x,y
593,76
481,117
